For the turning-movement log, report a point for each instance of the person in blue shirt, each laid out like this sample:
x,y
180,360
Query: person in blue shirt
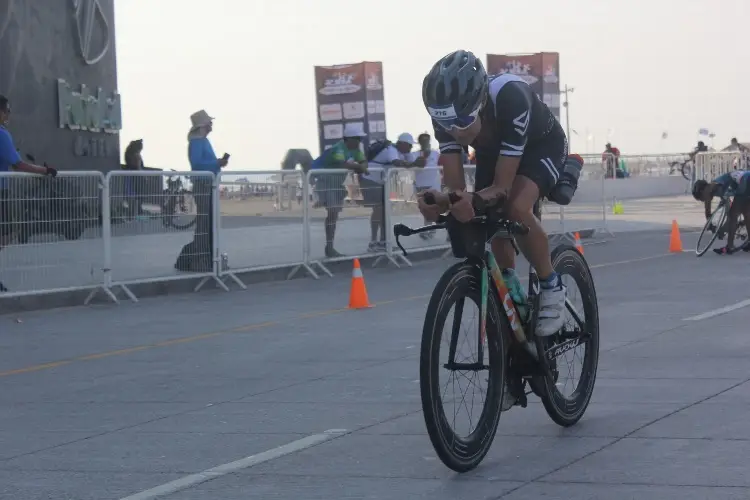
x,y
10,160
202,159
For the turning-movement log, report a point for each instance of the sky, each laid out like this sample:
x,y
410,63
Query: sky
x,y
639,68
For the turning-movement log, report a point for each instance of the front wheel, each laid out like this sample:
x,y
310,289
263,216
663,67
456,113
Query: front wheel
x,y
708,236
581,332
459,289
179,210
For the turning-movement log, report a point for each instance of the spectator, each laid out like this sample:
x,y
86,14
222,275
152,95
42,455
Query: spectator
x,y
134,162
11,160
373,185
198,254
699,148
345,154
735,145
611,159
427,176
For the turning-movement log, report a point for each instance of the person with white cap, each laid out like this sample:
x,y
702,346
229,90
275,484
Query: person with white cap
x,y
428,177
198,254
345,154
372,184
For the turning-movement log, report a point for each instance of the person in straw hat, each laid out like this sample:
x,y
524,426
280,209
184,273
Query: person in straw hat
x,y
197,255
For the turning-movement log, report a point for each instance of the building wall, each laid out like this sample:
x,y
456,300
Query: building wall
x,y
42,41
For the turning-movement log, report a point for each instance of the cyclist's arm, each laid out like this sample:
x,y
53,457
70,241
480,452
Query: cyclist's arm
x,y
452,159
513,112
718,189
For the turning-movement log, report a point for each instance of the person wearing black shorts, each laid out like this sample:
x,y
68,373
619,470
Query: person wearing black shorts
x,y
520,152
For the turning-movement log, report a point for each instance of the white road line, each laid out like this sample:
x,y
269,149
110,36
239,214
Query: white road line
x,y
244,463
631,261
719,312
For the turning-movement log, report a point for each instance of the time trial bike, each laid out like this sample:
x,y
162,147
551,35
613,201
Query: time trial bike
x,y
506,356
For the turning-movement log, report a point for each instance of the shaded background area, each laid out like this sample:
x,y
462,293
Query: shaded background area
x,y
39,43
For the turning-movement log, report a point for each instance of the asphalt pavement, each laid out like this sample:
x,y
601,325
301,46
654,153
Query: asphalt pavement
x,y
280,392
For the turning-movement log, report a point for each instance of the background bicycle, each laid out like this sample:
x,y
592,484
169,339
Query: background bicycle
x,y
716,226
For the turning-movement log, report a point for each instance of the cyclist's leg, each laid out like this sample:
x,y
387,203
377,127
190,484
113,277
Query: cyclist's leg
x,y
538,173
502,249
734,213
742,199
483,178
746,216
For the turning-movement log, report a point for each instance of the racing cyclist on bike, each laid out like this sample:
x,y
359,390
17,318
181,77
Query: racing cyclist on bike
x,y
739,182
520,151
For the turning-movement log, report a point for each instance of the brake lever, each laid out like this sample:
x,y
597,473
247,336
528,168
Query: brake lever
x,y
401,230
403,250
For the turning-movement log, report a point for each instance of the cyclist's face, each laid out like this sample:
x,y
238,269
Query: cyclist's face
x,y
466,137
4,116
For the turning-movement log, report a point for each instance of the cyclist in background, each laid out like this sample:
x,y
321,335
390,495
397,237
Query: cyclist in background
x,y
700,148
738,182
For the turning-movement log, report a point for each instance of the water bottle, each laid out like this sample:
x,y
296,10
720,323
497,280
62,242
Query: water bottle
x,y
566,186
517,292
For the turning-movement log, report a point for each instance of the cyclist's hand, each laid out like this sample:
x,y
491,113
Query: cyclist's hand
x,y
432,212
52,172
223,162
420,162
463,210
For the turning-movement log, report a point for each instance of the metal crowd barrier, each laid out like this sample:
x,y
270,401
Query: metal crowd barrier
x,y
87,231
51,229
711,165
262,222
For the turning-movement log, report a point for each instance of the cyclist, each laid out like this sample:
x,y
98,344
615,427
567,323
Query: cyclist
x,y
520,151
700,148
738,181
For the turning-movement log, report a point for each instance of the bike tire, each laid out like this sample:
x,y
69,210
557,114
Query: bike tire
x,y
564,411
721,214
170,218
461,280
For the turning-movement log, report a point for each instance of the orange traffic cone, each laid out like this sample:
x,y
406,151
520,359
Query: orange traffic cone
x,y
358,295
577,242
675,243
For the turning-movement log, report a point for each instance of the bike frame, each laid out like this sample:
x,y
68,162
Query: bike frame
x,y
511,311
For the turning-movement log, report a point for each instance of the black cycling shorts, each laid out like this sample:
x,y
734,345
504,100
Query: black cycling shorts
x,y
541,162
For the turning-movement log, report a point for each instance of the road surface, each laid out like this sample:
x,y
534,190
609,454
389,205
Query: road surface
x,y
281,393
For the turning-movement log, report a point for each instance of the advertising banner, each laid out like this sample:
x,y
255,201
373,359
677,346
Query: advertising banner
x,y
541,71
349,93
375,102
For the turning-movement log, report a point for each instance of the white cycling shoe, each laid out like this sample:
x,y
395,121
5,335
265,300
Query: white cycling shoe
x,y
551,310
